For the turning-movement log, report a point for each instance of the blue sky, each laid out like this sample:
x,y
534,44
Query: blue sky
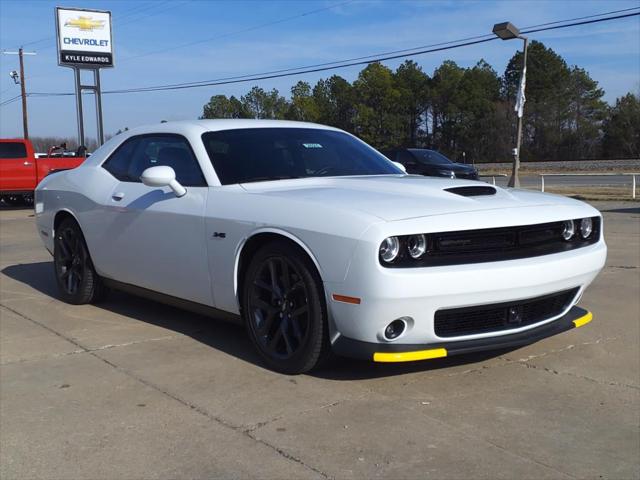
x,y
609,51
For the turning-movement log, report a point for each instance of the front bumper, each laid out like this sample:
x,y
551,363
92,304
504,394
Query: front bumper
x,y
418,294
398,352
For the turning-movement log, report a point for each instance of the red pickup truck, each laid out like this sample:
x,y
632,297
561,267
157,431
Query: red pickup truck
x,y
21,171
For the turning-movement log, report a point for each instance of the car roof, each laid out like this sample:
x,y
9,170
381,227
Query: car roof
x,y
201,126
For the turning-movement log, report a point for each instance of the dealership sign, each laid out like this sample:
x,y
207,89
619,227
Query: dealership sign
x,y
84,38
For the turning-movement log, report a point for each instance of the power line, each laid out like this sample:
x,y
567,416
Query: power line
x,y
10,87
126,14
381,58
11,100
266,76
338,62
244,30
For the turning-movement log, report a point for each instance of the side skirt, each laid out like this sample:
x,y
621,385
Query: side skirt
x,y
194,307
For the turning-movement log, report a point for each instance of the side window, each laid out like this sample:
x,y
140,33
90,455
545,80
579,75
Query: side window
x,y
405,158
152,151
118,163
12,150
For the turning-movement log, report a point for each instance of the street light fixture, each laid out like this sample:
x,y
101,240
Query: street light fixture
x,y
508,31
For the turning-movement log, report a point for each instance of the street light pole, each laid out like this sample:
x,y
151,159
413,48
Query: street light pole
x,y
514,181
507,31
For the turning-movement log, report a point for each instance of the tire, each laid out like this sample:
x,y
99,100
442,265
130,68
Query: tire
x,y
284,310
14,200
78,282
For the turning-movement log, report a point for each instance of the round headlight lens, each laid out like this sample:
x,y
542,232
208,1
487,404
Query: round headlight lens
x,y
389,249
568,229
417,245
586,227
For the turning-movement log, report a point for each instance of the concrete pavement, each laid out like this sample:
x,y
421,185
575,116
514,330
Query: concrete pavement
x,y
134,389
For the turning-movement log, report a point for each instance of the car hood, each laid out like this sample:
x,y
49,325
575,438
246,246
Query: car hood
x,y
461,167
400,197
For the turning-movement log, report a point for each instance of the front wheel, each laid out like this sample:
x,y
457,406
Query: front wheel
x,y
78,282
284,310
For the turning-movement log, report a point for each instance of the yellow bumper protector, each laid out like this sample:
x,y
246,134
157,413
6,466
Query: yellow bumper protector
x,y
583,320
409,356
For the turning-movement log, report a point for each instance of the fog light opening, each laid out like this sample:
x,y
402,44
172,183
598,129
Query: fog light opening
x,y
395,329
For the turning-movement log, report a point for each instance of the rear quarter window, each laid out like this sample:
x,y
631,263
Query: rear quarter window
x,y
12,150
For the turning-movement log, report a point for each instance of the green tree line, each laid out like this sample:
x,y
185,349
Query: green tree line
x,y
463,112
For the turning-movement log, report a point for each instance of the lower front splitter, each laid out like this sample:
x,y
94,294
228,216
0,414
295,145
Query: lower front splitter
x,y
399,352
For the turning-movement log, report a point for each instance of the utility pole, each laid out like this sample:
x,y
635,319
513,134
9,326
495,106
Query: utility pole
x,y
23,89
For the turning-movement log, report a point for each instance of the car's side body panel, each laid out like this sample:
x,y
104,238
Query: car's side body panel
x,y
330,236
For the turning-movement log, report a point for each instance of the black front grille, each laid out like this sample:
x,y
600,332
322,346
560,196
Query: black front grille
x,y
502,316
494,244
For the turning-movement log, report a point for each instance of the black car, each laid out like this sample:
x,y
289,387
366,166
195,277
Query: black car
x,y
420,161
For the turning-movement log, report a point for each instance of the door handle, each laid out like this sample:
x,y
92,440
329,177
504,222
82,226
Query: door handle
x,y
26,164
117,196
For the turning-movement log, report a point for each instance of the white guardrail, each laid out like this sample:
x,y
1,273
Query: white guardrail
x,y
493,177
632,175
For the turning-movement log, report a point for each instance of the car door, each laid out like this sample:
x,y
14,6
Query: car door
x,y
17,167
153,239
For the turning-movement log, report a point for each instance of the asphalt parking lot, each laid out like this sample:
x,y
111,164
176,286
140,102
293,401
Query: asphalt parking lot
x,y
134,389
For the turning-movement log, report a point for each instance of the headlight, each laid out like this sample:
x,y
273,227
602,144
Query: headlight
x,y
586,227
447,173
389,249
416,245
568,229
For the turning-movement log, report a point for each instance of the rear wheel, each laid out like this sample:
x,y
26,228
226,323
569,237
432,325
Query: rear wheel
x,y
284,310
77,280
14,200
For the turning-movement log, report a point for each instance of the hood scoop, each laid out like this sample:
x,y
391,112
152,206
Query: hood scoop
x,y
474,191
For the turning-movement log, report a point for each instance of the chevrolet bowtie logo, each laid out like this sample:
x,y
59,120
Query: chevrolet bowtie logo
x,y
85,23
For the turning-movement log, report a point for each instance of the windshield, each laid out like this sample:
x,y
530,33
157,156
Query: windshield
x,y
430,157
259,154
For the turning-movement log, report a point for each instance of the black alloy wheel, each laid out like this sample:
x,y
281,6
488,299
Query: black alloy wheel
x,y
78,282
284,309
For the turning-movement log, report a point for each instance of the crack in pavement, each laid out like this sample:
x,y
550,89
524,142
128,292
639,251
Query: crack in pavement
x,y
527,363
575,375
474,436
191,406
564,349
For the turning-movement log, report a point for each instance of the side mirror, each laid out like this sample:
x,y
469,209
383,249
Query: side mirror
x,y
162,176
400,166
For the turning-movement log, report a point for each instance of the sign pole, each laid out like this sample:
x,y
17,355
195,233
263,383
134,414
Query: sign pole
x,y
98,94
76,72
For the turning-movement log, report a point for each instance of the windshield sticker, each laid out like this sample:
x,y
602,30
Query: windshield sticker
x,y
311,145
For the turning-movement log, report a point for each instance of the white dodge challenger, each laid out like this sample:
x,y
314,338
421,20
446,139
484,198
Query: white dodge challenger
x,y
317,243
